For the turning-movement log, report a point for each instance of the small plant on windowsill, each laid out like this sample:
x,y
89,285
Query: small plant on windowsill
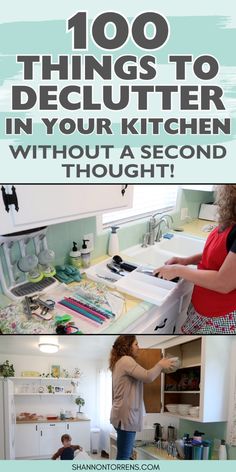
x,y
80,402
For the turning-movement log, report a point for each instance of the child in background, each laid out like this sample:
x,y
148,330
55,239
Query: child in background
x,y
66,452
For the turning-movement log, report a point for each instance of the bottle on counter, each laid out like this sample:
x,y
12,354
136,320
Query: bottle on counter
x,y
113,246
85,254
206,450
75,256
222,451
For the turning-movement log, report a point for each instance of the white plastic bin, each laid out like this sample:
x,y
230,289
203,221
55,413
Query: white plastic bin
x,y
95,440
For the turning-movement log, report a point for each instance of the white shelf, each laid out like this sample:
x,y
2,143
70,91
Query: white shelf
x,y
190,366
46,378
181,391
188,417
51,394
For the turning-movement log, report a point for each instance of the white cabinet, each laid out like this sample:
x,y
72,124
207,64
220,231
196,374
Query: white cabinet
x,y
207,359
80,433
163,319
50,438
44,439
40,205
202,379
27,440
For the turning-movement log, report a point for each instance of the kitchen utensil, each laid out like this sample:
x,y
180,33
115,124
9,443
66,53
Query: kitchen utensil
x,y
104,277
171,433
158,431
123,265
114,269
29,264
45,258
149,271
180,447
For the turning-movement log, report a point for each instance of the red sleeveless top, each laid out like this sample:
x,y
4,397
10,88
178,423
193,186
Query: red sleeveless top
x,y
208,302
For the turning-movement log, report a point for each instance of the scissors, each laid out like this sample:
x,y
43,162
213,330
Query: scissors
x,y
33,303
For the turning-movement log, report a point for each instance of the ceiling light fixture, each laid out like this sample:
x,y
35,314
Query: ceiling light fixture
x,y
48,344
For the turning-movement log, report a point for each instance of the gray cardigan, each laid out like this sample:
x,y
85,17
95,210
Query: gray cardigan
x,y
127,393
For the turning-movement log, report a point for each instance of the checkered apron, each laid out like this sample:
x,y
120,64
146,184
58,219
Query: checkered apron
x,y
198,324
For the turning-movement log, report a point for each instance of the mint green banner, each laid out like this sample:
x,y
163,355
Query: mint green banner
x,y
163,466
133,92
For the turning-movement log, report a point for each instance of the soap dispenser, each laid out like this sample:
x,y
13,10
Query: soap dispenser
x,y
113,247
75,256
85,254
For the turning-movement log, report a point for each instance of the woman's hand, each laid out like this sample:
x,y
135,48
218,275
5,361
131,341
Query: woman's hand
x,y
178,260
166,363
168,272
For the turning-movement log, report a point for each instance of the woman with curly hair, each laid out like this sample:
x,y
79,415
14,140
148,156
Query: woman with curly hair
x,y
127,391
213,304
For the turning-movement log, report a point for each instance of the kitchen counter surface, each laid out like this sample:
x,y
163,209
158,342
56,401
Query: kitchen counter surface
x,y
45,420
195,228
14,321
155,453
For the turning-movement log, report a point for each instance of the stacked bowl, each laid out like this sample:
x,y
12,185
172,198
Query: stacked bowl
x,y
194,411
183,409
172,408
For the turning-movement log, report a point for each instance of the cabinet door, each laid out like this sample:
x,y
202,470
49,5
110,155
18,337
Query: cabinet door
x,y
49,204
50,438
80,433
27,440
147,358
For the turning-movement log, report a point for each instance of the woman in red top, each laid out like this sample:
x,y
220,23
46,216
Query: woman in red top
x,y
213,305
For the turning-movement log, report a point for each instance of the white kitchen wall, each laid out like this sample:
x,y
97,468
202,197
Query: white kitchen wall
x,y
53,404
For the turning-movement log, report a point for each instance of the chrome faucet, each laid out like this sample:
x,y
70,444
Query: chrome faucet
x,y
153,236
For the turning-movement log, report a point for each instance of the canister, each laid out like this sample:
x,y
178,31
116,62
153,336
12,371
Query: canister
x,y
188,451
198,452
206,450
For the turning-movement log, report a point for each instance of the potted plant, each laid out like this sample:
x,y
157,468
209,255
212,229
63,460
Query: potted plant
x,y
7,370
80,402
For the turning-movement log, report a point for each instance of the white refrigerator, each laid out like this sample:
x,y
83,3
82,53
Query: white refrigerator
x,y
7,420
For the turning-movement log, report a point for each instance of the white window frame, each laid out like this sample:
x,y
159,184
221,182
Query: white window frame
x,y
136,218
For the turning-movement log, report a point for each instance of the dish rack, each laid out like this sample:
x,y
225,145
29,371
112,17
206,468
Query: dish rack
x,y
14,246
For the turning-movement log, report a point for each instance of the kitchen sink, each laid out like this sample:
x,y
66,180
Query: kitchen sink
x,y
159,253
182,245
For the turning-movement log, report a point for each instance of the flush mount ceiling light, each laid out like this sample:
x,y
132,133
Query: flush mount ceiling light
x,y
48,344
